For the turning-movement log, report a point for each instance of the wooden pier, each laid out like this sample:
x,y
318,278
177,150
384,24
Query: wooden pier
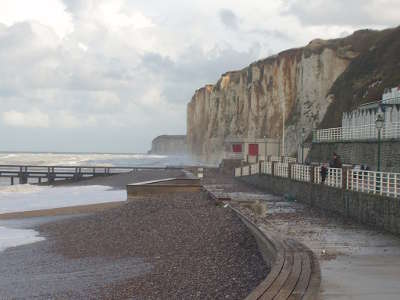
x,y
50,174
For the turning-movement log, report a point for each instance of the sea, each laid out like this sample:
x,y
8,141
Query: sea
x,y
28,197
92,159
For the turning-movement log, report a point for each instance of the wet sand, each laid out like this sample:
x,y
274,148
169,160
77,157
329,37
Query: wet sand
x,y
62,211
168,247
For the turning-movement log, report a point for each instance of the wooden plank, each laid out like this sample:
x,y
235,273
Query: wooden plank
x,y
276,269
292,280
276,286
312,291
304,280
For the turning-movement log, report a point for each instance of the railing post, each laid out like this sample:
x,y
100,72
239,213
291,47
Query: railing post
x,y
273,168
344,178
312,174
290,170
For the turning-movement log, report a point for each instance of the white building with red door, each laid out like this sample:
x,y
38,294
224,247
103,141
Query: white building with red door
x,y
250,149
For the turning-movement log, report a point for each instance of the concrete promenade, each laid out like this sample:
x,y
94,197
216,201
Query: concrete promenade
x,y
356,262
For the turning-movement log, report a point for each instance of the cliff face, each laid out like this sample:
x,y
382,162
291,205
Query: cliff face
x,y
169,144
293,85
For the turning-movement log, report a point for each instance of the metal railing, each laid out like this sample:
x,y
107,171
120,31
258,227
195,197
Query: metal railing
x,y
382,183
301,172
362,132
281,170
266,168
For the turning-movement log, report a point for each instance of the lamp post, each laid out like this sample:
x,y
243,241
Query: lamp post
x,y
265,148
303,133
379,122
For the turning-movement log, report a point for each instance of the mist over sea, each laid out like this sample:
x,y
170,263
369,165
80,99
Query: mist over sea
x,y
91,159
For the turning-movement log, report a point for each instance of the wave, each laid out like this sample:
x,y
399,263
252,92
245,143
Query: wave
x,y
74,159
28,197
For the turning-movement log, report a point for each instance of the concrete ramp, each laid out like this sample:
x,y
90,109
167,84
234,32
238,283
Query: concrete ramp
x,y
162,186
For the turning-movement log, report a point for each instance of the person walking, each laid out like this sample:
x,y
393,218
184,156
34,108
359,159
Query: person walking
x,y
335,162
323,172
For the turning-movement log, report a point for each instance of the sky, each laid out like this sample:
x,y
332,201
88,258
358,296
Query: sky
x,y
110,75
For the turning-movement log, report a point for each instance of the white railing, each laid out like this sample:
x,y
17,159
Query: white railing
x,y
245,171
364,132
333,177
266,168
238,172
255,169
391,131
289,160
233,155
281,169
330,134
381,183
386,184
275,159
301,172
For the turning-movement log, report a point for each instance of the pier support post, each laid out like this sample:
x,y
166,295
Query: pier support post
x,y
50,175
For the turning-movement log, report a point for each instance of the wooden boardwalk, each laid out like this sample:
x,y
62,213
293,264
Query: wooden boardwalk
x,y
50,174
294,274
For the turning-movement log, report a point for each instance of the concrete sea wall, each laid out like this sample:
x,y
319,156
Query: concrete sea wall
x,y
360,152
376,211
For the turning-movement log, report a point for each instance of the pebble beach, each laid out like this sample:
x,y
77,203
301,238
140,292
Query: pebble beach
x,y
172,246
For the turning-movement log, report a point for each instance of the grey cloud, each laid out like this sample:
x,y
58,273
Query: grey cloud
x,y
229,19
338,12
276,34
194,68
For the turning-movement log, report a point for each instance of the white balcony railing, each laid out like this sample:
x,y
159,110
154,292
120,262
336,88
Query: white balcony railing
x,y
364,132
382,183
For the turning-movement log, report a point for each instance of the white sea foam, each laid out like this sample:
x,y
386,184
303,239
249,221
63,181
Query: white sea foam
x,y
12,237
29,197
73,159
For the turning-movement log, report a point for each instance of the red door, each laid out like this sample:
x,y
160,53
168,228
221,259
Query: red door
x,y
237,148
253,149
